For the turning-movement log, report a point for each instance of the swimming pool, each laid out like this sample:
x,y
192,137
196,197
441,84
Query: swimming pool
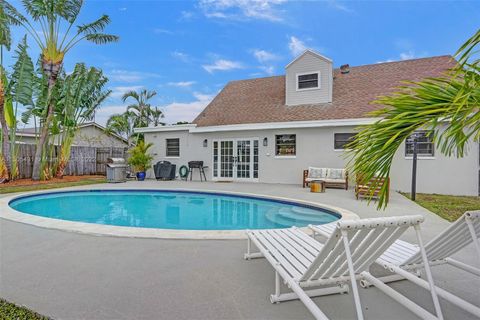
x,y
172,209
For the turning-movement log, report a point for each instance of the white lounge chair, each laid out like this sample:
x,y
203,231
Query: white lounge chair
x,y
402,257
345,257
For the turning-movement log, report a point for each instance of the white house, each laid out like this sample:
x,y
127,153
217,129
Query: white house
x,y
270,129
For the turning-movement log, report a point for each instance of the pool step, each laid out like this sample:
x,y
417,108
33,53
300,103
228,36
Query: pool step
x,y
288,217
305,216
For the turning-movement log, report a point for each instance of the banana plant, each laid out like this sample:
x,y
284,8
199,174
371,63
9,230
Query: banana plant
x,y
451,102
56,19
6,20
17,90
81,94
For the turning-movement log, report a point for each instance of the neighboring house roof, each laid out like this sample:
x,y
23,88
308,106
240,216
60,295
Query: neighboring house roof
x,y
262,100
32,132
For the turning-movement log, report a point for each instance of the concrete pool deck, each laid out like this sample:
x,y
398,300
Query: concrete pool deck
x,y
75,276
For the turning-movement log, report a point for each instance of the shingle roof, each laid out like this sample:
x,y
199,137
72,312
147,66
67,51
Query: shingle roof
x,y
262,100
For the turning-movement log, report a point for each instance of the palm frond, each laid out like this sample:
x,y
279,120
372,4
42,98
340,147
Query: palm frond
x,y
466,51
8,16
38,8
68,9
100,38
95,26
130,94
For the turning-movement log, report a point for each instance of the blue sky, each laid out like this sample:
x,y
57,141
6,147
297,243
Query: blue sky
x,y
188,50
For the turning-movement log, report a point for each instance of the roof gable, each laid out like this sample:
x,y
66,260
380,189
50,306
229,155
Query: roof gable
x,y
309,52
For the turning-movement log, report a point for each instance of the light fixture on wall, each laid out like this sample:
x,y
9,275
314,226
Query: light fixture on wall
x,y
265,141
205,143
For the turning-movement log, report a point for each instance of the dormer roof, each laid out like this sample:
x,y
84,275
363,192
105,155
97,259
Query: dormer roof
x,y
308,51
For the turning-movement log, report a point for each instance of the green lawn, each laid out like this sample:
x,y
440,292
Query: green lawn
x,y
10,311
447,207
11,189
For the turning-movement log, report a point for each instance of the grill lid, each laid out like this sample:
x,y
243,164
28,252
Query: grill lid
x,y
115,165
115,161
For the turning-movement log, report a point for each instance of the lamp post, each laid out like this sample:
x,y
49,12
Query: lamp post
x,y
414,139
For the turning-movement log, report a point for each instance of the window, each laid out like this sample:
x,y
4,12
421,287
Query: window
x,y
173,147
425,146
307,81
285,145
342,139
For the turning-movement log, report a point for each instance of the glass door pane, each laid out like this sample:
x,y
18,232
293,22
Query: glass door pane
x,y
244,159
226,159
255,159
215,159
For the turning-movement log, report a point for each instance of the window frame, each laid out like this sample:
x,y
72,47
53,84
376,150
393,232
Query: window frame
x,y
429,135
353,134
277,155
297,75
167,155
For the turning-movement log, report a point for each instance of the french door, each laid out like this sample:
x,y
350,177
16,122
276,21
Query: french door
x,y
235,159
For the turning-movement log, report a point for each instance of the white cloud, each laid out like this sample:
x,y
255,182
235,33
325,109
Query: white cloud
x,y
122,9
129,76
339,6
118,92
222,65
203,96
162,31
182,84
182,56
242,9
263,55
186,15
268,69
186,111
296,46
407,55
104,112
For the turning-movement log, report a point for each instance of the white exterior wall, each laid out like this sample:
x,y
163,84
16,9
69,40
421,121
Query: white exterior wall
x,y
315,147
309,63
439,174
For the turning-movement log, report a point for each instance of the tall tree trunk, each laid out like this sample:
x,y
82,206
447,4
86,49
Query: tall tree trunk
x,y
5,141
51,70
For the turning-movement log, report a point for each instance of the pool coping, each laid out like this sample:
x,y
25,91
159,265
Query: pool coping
x,y
6,212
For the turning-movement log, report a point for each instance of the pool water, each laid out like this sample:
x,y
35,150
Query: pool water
x,y
167,209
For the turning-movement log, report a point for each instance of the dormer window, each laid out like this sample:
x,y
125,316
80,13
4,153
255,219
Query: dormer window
x,y
308,81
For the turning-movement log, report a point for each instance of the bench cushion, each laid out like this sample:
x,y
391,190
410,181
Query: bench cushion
x,y
317,173
336,174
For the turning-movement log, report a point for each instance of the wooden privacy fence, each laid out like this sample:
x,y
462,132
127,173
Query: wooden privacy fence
x,y
83,160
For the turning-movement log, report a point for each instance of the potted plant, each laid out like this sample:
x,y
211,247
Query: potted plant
x,y
140,159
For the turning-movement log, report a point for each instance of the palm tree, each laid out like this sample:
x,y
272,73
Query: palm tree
x,y
450,103
122,125
155,116
55,19
141,108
